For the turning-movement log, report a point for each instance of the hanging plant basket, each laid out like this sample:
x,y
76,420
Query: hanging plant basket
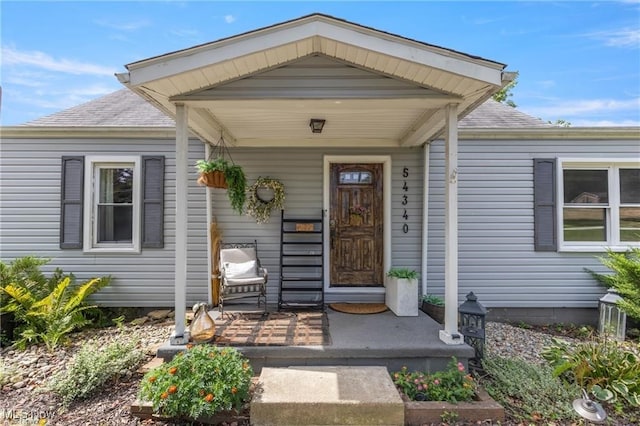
x,y
218,172
215,179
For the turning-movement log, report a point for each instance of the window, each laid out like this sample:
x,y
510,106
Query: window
x,y
600,205
112,204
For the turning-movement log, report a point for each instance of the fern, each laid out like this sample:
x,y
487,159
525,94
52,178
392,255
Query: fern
x,y
46,309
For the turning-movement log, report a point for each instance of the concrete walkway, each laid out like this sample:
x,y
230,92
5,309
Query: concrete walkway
x,y
326,396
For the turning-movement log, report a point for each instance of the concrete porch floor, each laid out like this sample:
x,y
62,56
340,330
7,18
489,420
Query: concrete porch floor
x,y
362,340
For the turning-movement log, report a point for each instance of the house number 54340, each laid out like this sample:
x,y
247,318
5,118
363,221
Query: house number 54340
x,y
405,200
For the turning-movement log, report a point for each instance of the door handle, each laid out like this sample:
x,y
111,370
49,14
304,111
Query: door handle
x,y
332,232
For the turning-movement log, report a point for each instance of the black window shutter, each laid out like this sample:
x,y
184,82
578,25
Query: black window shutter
x,y
152,201
71,202
544,189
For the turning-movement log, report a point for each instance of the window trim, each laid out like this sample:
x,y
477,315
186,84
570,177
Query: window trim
x,y
91,192
612,210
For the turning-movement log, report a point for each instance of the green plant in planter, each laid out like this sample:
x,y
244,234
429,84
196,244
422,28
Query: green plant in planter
x,y
403,273
200,382
433,299
217,164
452,385
234,177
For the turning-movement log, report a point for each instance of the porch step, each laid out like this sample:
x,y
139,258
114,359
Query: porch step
x,y
334,395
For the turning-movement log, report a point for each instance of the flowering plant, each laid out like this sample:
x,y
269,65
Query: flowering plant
x,y
452,385
358,210
199,382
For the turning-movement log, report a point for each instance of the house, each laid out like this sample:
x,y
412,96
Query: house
x,y
475,195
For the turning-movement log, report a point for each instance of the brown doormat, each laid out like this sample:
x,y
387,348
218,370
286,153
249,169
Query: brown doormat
x,y
359,308
272,329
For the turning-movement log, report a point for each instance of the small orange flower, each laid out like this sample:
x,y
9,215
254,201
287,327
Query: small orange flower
x,y
234,390
173,370
172,389
152,379
164,395
245,365
209,397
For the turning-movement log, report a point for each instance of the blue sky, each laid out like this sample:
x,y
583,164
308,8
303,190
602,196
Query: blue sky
x,y
578,61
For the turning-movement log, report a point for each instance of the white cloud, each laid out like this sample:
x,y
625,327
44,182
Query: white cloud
x,y
61,99
625,37
579,107
229,19
605,123
546,84
37,59
186,32
123,26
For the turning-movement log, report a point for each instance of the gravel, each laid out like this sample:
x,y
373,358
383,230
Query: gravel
x,y
24,375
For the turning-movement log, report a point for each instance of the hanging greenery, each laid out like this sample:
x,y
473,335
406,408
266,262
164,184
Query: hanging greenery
x,y
261,209
218,172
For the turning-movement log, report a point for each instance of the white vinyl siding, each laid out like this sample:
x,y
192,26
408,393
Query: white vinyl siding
x,y
30,175
497,260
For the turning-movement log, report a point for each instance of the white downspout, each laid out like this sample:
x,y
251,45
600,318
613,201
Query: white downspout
x,y
180,336
425,217
450,334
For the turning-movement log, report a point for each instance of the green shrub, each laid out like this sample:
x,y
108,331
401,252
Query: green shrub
x,y
25,272
625,279
529,392
45,309
606,368
202,381
451,385
93,366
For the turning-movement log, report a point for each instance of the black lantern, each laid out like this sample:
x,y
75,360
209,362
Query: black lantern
x,y
316,125
472,315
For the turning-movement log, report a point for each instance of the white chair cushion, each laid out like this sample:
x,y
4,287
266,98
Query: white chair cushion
x,y
237,255
234,271
244,281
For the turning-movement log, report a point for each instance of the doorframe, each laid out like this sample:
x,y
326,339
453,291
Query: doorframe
x,y
385,160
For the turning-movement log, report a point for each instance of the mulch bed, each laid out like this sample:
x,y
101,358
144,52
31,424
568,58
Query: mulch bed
x,y
272,329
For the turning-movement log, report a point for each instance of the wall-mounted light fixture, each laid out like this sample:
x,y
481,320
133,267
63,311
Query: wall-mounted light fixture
x,y
316,125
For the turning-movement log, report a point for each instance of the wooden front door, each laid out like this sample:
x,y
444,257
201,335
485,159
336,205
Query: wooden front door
x,y
355,222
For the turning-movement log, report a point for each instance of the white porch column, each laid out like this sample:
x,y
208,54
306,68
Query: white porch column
x,y
450,334
209,213
180,336
425,217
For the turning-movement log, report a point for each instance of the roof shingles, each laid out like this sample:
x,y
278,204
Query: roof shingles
x,y
124,108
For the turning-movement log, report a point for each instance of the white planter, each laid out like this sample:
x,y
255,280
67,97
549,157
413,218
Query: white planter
x,y
402,296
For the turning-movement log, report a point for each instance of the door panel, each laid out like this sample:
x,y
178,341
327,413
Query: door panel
x,y
356,225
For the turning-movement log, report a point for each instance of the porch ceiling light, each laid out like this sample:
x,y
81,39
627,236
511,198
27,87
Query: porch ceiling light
x,y
316,125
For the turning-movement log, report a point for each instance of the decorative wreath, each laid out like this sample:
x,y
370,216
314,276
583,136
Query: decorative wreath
x,y
261,209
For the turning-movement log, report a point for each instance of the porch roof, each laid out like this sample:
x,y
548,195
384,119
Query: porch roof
x,y
261,88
